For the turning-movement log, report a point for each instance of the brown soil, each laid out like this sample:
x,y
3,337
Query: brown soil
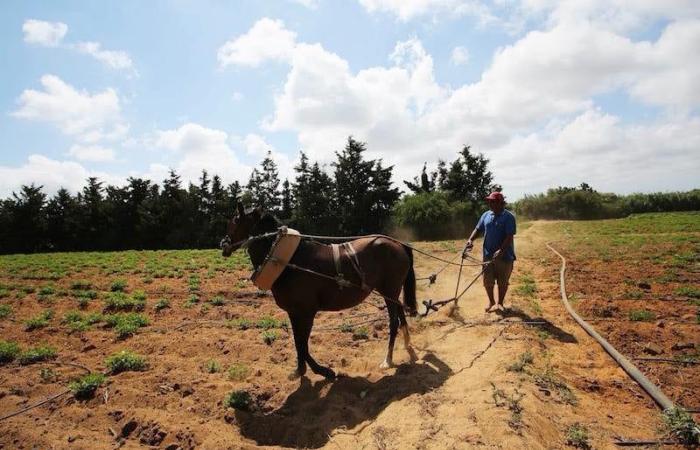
x,y
459,395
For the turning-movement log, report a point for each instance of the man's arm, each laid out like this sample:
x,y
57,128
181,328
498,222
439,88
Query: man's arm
x,y
506,242
470,242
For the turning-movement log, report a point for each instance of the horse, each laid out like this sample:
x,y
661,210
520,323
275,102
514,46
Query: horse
x,y
382,264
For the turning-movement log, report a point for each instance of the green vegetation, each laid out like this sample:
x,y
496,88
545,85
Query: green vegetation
x,y
36,354
218,301
268,323
118,286
5,311
641,315
526,286
161,304
269,336
39,321
212,366
360,333
238,400
81,285
523,360
125,325
84,388
689,291
238,372
679,424
125,361
119,301
8,351
577,436
240,323
512,402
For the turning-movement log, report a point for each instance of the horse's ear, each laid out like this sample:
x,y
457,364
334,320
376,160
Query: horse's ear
x,y
241,210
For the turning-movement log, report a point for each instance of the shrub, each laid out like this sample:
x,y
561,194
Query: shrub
x,y
577,436
218,301
118,286
125,361
240,323
161,304
119,301
46,291
360,333
5,311
523,360
238,400
641,315
36,354
268,323
190,302
238,372
39,321
80,285
680,425
85,387
126,325
212,366
8,351
433,215
346,327
269,336
688,291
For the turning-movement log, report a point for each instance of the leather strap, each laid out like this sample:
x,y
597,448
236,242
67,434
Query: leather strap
x,y
336,258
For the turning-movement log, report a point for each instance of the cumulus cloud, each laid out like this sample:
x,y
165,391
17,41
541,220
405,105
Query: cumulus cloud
x,y
267,40
200,148
459,56
39,32
257,146
94,153
536,98
75,113
51,34
50,173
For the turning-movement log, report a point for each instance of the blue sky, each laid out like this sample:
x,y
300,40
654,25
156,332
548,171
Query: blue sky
x,y
553,93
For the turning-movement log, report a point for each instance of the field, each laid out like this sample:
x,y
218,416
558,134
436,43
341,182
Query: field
x,y
194,356
638,281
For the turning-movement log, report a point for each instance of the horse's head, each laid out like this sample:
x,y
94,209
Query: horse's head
x,y
239,229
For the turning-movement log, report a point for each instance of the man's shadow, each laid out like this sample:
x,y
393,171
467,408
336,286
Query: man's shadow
x,y
307,419
547,326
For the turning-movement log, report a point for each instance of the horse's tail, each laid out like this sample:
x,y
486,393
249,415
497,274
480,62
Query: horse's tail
x,y
409,286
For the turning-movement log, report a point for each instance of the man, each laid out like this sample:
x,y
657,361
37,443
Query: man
x,y
498,227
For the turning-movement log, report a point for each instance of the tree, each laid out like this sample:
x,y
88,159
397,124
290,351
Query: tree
x,y
467,178
287,201
62,221
263,185
425,184
26,220
312,191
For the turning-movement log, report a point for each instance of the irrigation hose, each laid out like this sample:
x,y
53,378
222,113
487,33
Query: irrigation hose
x,y
654,392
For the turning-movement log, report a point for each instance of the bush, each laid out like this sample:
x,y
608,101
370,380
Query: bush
x,y
212,366
5,310
641,315
238,372
85,387
118,286
125,325
119,301
125,361
238,400
36,354
269,336
680,425
162,304
577,436
39,321
8,351
432,216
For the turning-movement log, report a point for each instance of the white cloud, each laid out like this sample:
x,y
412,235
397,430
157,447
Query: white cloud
x,y
311,4
459,56
50,173
93,153
200,148
75,113
39,32
267,40
256,145
115,59
406,10
237,96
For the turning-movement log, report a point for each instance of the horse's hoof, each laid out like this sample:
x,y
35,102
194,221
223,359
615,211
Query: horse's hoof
x,y
385,365
327,373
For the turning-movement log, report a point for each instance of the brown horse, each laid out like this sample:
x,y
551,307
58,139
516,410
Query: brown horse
x,y
384,264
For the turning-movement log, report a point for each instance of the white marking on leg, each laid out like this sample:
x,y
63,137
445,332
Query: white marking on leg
x,y
387,363
407,343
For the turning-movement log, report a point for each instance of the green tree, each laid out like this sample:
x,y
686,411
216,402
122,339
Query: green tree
x,y
426,183
263,186
467,178
312,190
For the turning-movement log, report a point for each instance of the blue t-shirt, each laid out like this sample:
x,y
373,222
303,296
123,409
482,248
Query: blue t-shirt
x,y
495,229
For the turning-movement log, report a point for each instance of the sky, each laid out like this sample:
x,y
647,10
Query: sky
x,y
552,92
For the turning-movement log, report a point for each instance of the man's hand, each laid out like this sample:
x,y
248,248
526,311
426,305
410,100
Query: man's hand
x,y
497,253
467,248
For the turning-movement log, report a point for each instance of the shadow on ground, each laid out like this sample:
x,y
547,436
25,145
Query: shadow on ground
x,y
553,330
307,418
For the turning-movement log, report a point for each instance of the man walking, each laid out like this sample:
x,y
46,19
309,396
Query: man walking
x,y
498,227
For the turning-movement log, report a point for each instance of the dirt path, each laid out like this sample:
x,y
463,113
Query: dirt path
x,y
481,404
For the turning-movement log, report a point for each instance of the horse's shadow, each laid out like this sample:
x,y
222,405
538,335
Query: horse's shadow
x,y
307,419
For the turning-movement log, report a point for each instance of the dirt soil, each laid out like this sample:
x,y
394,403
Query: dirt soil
x,y
460,394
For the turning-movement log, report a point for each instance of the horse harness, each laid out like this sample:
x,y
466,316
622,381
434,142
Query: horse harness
x,y
352,256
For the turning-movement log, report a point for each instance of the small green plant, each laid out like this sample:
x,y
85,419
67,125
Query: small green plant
x,y
125,325
360,333
549,380
212,366
577,436
85,387
161,304
240,323
8,351
4,292
346,327
47,375
118,286
238,372
36,354
218,301
46,291
190,302
641,315
688,291
125,361
523,360
238,400
269,336
679,423
119,301
5,311
512,402
39,321
76,321
268,323
527,286
89,295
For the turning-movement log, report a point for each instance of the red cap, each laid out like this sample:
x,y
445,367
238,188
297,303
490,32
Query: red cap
x,y
497,196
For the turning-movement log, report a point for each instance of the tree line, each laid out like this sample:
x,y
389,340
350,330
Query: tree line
x,y
355,195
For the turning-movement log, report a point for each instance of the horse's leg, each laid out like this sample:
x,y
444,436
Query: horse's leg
x,y
392,308
300,342
306,322
406,335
